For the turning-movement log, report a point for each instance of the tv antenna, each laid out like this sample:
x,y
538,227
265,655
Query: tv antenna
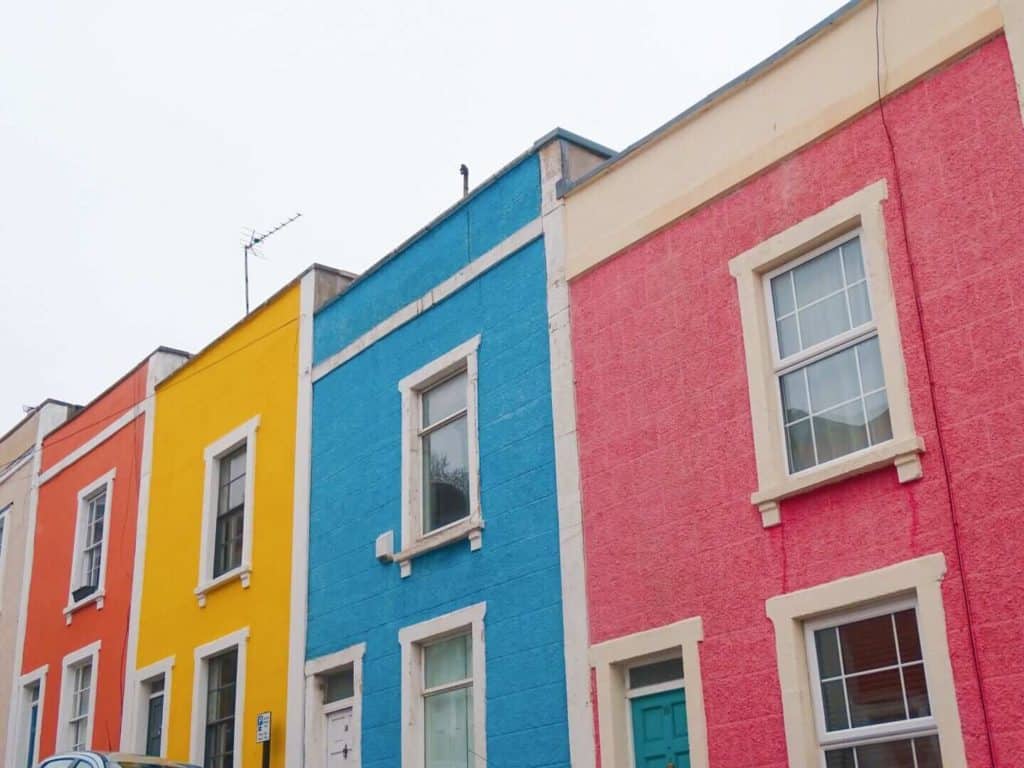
x,y
250,247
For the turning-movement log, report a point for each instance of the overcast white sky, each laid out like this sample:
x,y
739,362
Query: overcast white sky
x,y
138,140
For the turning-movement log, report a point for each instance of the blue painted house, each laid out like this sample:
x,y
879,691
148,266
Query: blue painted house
x,y
443,570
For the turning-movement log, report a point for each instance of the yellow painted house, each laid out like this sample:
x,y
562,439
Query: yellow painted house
x,y
218,512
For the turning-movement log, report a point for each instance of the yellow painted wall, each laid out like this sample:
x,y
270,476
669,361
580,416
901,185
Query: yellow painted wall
x,y
251,371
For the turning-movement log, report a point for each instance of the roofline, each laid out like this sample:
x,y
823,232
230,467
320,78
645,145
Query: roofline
x,y
734,85
120,380
259,308
31,413
547,138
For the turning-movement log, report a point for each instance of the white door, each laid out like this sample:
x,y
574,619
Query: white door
x,y
340,739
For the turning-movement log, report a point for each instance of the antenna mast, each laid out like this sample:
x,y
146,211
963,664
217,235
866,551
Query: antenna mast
x,y
255,240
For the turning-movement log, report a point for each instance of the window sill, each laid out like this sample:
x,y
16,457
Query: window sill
x,y
242,573
96,597
471,528
903,454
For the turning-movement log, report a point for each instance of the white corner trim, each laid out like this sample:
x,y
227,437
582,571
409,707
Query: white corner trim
x,y
507,247
160,366
238,639
314,737
575,618
414,542
921,578
244,433
103,483
91,653
296,699
94,442
862,212
411,638
51,416
136,740
610,660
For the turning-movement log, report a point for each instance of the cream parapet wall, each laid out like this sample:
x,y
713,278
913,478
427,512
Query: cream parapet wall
x,y
816,87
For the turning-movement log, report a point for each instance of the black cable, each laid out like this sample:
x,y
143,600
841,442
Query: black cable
x,y
931,389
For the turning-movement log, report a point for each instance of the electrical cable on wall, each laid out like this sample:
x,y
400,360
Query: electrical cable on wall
x,y
931,389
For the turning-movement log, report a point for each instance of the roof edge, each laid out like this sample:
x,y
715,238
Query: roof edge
x,y
555,133
732,86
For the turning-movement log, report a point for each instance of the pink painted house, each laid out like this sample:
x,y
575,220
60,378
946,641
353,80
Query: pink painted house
x,y
798,339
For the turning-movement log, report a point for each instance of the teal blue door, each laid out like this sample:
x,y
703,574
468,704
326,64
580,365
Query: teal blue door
x,y
659,730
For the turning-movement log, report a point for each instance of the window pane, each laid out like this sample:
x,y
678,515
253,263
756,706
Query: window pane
x,y
879,422
448,729
800,446
789,340
860,308
906,633
868,644
818,277
445,475
827,643
235,493
917,691
794,396
658,672
853,261
228,542
927,750
840,431
833,380
338,686
447,661
444,399
870,359
840,758
876,697
889,754
782,294
823,320
833,699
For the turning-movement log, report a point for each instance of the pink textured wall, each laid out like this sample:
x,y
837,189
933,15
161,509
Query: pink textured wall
x,y
664,423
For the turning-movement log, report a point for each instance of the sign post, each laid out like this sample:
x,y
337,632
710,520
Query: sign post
x,y
263,736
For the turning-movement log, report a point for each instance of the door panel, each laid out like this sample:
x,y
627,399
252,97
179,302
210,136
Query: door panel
x,y
660,737
340,741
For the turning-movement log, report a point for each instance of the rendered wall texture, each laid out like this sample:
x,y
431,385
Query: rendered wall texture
x,y
251,371
356,496
664,425
48,638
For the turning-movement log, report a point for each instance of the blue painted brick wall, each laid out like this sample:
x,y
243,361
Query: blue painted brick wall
x,y
356,495
493,213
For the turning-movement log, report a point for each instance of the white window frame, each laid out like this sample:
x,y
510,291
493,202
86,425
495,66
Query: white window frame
x,y
915,582
612,660
244,434
851,737
91,654
21,748
412,640
143,678
861,212
315,672
239,640
105,485
414,541
5,534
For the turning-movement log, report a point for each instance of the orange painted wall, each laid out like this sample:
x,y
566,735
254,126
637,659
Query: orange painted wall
x,y
48,638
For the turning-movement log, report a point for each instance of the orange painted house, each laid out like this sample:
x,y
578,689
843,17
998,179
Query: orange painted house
x,y
82,562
